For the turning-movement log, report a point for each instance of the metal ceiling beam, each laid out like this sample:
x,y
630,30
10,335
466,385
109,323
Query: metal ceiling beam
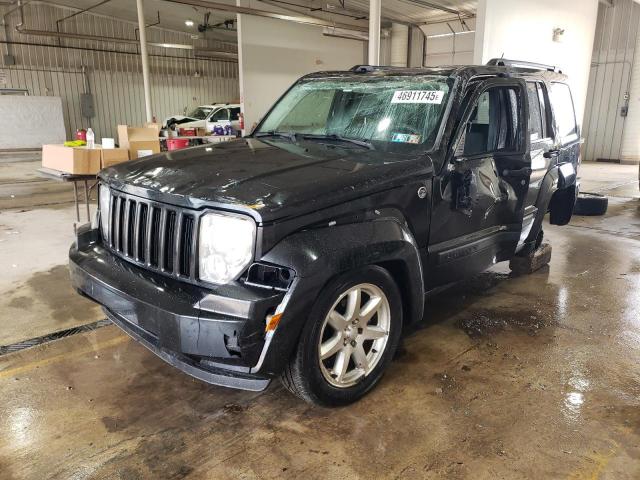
x,y
458,18
84,10
344,13
20,28
304,19
435,6
349,12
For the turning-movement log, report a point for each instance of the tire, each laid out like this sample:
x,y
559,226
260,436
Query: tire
x,y
315,380
591,204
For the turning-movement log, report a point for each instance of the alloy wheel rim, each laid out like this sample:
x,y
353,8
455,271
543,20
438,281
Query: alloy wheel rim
x,y
354,335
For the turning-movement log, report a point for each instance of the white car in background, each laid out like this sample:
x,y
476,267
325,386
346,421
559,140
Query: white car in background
x,y
208,117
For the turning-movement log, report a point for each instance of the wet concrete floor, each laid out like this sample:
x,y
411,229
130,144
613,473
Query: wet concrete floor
x,y
535,376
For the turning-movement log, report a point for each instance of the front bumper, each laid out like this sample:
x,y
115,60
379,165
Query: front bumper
x,y
215,335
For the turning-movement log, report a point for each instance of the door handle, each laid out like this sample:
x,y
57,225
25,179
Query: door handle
x,y
551,154
523,172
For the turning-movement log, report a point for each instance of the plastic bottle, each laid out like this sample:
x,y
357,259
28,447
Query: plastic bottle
x,y
91,139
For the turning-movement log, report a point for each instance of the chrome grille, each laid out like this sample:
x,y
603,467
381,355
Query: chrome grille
x,y
154,235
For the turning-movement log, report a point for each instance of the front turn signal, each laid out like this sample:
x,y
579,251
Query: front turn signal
x,y
272,322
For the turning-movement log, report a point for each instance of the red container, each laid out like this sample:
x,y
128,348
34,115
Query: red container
x,y
81,135
177,143
187,132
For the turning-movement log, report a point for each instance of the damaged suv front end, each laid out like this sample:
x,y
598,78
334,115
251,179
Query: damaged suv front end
x,y
141,266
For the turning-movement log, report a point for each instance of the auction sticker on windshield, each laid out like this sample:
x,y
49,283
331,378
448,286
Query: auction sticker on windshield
x,y
418,96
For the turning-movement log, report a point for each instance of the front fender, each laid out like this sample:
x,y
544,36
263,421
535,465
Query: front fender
x,y
318,255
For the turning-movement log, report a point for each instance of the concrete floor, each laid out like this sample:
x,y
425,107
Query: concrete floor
x,y
527,377
36,229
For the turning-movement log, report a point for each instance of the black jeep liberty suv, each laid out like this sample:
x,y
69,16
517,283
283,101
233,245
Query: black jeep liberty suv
x,y
302,250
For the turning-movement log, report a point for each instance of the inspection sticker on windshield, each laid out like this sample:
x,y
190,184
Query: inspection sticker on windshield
x,y
418,96
405,138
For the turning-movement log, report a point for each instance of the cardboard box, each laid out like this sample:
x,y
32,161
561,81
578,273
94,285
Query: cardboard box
x,y
143,149
140,141
77,160
113,156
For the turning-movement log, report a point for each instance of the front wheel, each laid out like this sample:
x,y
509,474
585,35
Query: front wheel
x,y
349,339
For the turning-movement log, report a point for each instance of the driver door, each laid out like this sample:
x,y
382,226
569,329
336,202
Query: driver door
x,y
478,199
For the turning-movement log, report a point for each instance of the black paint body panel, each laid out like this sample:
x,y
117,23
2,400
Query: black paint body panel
x,y
320,210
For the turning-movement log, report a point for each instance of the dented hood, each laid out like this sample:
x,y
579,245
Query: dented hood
x,y
267,179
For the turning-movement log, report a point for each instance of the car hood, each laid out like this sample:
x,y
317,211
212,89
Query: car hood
x,y
178,118
191,122
267,179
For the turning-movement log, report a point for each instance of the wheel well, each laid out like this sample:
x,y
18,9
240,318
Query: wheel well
x,y
400,275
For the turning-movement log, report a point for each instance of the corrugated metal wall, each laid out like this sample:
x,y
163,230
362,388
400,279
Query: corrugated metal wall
x,y
49,66
609,82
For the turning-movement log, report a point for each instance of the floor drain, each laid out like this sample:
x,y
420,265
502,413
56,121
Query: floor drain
x,y
32,342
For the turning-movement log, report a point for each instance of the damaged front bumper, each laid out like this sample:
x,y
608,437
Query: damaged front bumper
x,y
216,335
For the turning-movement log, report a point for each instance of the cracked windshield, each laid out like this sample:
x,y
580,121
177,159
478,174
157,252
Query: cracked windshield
x,y
398,114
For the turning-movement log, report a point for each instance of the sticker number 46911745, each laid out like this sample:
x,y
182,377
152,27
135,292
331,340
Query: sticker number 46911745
x,y
418,96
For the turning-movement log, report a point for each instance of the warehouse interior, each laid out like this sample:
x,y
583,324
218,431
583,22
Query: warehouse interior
x,y
504,376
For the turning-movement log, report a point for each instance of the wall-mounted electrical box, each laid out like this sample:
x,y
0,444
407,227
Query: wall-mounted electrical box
x,y
87,107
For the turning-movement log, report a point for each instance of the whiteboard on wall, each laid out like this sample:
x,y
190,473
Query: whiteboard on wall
x,y
30,122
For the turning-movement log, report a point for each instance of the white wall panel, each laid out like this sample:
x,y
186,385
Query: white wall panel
x,y
523,30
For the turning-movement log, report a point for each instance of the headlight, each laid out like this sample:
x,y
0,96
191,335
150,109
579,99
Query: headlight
x,y
104,195
226,246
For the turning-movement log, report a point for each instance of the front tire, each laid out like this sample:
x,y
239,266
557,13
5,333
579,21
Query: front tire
x,y
349,339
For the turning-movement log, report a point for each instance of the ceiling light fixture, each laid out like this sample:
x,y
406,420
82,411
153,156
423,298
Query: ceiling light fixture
x,y
189,23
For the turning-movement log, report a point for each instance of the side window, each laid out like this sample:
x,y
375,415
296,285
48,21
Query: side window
x,y
563,110
536,128
220,115
494,122
235,113
544,110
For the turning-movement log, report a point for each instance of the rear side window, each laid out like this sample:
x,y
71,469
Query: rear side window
x,y
536,128
235,113
544,108
562,104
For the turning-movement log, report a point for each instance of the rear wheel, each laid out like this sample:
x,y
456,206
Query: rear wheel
x,y
349,339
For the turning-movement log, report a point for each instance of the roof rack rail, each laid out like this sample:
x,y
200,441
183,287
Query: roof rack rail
x,y
363,68
504,62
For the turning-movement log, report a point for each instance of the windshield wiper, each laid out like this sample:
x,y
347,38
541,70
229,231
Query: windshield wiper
x,y
272,133
339,138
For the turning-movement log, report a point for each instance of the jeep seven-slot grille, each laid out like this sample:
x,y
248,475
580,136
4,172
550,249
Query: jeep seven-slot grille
x,y
154,235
